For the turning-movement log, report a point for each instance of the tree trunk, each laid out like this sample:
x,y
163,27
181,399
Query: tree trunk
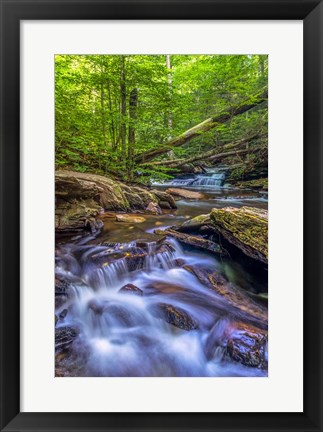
x,y
123,94
197,130
104,134
170,90
133,101
111,114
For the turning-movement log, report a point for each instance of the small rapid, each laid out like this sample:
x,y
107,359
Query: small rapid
x,y
212,178
139,312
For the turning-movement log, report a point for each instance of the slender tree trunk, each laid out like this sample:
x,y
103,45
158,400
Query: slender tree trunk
x,y
104,133
113,129
170,91
205,126
123,94
133,101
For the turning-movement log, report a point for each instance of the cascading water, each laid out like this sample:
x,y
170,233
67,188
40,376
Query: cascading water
x,y
167,327
212,178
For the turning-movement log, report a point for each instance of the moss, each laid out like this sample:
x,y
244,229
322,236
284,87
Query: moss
x,y
261,183
198,220
246,227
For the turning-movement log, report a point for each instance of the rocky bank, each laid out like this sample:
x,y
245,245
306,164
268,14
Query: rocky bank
x,y
81,197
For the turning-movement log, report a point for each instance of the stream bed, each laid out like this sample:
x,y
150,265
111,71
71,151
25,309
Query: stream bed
x,y
134,310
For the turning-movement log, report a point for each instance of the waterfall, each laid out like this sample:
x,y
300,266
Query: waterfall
x,y
212,178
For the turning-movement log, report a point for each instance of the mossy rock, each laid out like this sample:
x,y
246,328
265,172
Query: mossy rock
x,y
246,228
203,219
261,183
80,197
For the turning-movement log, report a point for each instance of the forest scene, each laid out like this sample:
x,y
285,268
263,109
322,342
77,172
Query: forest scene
x,y
161,215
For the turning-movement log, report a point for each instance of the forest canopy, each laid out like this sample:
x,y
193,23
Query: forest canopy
x,y
130,115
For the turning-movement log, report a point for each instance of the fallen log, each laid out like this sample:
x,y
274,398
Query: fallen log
x,y
205,126
215,152
192,240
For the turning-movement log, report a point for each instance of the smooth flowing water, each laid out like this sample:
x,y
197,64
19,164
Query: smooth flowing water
x,y
211,178
125,334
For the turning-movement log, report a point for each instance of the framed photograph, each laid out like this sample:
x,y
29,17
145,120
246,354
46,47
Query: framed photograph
x,y
161,206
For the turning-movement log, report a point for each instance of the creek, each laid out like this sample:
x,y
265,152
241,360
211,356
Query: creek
x,y
173,326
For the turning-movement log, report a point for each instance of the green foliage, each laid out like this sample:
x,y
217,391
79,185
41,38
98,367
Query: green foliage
x,y
96,131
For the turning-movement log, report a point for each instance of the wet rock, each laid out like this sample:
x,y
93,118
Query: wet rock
x,y
184,193
240,342
192,240
98,306
165,205
241,304
63,314
60,300
248,345
153,208
165,287
131,289
150,241
180,262
61,286
61,291
134,257
65,336
176,316
129,218
165,200
246,228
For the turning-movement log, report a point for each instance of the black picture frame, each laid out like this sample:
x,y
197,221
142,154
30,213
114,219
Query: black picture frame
x,y
12,12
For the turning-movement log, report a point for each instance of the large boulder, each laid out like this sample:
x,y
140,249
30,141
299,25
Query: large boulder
x,y
246,228
80,197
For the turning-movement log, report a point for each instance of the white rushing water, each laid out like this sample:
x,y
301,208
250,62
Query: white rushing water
x,y
212,178
124,334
